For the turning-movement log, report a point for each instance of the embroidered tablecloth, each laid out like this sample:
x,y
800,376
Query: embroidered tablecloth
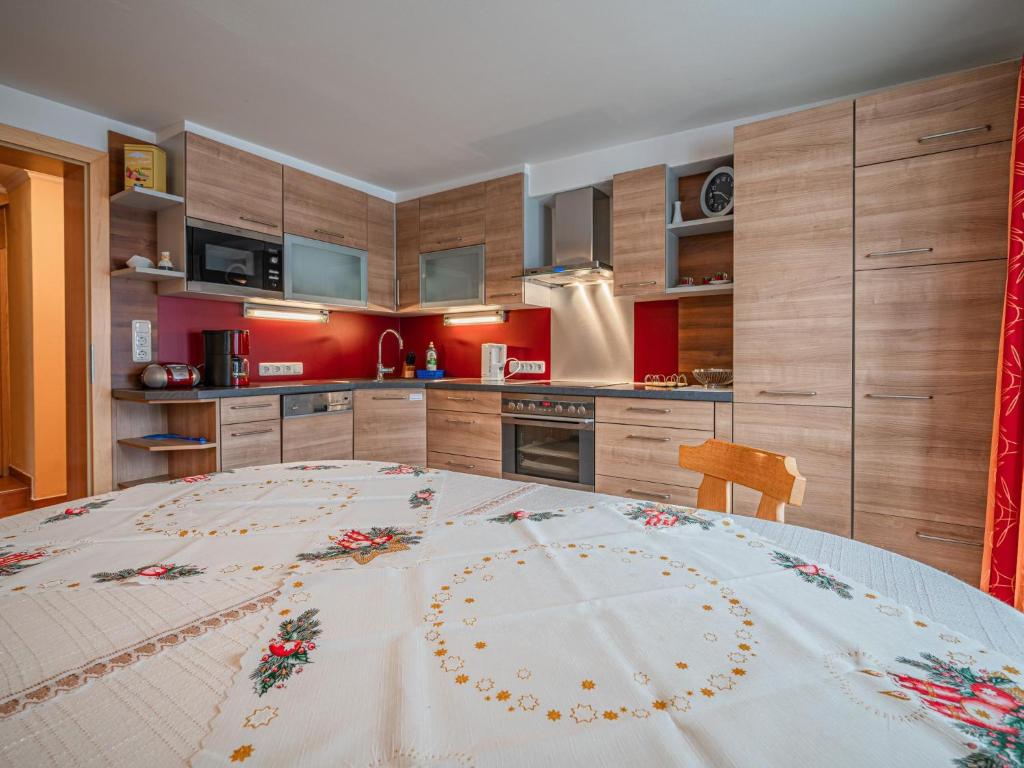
x,y
366,614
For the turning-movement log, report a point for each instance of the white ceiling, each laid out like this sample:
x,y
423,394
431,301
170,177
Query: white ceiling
x,y
409,93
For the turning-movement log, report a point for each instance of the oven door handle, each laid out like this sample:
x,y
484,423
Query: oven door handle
x,y
559,422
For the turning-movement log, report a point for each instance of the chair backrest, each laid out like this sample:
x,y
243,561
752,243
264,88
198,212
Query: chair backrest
x,y
723,464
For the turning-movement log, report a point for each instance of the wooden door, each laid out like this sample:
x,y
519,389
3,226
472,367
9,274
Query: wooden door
x,y
639,221
380,245
793,301
504,240
319,437
927,344
391,425
228,186
407,254
820,440
933,209
453,218
323,210
959,110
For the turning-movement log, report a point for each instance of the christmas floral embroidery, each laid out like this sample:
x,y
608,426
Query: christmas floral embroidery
x,y
287,652
665,516
813,574
421,498
986,706
403,469
364,546
522,514
72,512
167,572
314,467
12,562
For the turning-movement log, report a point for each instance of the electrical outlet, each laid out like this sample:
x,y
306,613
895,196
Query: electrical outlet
x,y
530,366
142,341
280,369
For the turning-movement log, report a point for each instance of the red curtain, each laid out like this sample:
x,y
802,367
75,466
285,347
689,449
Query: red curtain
x,y
1002,573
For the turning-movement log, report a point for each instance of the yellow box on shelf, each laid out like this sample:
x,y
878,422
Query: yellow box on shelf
x,y
145,166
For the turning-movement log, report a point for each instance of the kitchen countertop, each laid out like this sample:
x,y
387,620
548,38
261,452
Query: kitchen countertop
x,y
341,385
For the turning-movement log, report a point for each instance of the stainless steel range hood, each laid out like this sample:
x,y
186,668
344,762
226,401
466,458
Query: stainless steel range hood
x,y
580,241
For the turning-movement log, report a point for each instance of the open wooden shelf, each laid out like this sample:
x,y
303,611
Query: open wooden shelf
x,y
700,290
144,480
165,445
152,274
708,226
144,199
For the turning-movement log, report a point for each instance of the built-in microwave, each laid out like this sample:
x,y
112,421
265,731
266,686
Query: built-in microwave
x,y
224,259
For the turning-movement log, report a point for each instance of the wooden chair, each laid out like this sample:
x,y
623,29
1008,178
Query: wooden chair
x,y
723,464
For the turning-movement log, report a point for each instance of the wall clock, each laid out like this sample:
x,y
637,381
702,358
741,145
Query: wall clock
x,y
716,194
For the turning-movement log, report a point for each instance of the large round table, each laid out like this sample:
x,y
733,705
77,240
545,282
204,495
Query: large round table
x,y
367,614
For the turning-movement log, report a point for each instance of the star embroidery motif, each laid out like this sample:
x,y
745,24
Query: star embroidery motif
x,y
242,754
260,717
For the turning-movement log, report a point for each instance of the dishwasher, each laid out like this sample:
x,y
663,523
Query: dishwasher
x,y
316,426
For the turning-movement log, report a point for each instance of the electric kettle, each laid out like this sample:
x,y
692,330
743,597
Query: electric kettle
x,y
492,361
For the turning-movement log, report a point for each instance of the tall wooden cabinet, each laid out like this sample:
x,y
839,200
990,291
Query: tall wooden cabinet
x,y
892,331
639,235
320,209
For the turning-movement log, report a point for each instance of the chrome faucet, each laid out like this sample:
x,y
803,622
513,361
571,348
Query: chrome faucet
x,y
381,370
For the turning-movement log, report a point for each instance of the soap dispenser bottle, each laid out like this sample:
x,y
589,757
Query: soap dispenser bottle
x,y
431,357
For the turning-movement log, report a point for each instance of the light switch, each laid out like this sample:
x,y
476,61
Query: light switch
x,y
142,341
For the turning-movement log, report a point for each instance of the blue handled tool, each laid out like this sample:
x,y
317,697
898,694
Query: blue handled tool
x,y
199,440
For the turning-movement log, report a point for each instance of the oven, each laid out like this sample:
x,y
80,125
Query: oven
x,y
548,439
224,259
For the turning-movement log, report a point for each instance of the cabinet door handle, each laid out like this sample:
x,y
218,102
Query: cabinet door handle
x,y
958,132
789,392
250,405
389,397
461,399
460,421
649,494
398,293
507,293
901,252
328,232
946,539
649,410
457,464
259,221
899,397
253,432
638,285
651,439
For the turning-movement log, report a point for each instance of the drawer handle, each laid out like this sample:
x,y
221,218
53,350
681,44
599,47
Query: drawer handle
x,y
461,399
649,494
899,397
252,432
389,397
259,221
457,464
251,405
901,252
958,132
651,439
638,285
329,233
460,421
946,539
789,392
501,295
649,410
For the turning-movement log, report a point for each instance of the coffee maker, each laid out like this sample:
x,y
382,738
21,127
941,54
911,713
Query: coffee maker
x,y
226,364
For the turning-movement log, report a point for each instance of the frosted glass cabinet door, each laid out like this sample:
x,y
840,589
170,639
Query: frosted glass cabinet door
x,y
452,278
323,272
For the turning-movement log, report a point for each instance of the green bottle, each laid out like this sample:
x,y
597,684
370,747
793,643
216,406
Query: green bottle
x,y
431,357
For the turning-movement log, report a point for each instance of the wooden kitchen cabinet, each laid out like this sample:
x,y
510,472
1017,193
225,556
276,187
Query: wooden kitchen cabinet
x,y
250,431
644,490
453,218
407,254
927,346
323,210
793,300
649,454
933,209
239,410
228,186
464,431
504,239
318,437
656,412
381,257
390,425
639,234
820,440
964,109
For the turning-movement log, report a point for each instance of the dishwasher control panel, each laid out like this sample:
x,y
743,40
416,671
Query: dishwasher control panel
x,y
309,403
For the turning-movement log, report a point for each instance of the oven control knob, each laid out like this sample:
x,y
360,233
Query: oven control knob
x,y
571,410
532,407
558,408
519,406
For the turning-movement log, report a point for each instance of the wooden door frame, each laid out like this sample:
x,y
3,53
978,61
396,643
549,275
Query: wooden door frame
x,y
96,285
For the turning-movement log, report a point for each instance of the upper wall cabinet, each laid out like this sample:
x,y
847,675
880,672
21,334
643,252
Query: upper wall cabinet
x,y
504,239
407,254
228,186
960,110
639,234
793,302
380,244
323,210
453,219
